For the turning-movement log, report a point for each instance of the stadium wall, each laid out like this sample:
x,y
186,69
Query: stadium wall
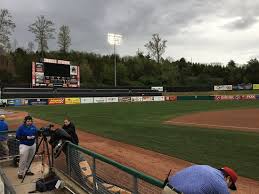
x,y
125,99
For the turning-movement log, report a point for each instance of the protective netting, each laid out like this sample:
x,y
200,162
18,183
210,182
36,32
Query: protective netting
x,y
99,176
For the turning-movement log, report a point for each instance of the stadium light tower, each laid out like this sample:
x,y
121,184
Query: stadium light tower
x,y
114,39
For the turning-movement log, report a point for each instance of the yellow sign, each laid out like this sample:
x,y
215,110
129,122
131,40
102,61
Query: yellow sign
x,y
72,100
255,86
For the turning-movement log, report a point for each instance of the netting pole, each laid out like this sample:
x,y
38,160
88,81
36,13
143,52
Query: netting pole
x,y
94,175
135,184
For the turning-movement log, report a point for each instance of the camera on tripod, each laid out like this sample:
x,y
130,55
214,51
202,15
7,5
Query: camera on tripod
x,y
45,131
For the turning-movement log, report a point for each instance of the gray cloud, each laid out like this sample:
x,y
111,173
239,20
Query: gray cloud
x,y
137,20
241,23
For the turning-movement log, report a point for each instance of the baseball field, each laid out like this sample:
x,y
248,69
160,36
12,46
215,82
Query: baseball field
x,y
155,126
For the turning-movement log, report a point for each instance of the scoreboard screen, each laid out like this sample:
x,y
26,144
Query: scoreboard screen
x,y
55,73
56,70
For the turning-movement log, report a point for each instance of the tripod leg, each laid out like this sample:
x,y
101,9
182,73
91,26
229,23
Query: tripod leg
x,y
32,160
48,154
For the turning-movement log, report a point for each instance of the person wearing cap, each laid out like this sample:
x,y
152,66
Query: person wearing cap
x,y
4,151
201,179
26,133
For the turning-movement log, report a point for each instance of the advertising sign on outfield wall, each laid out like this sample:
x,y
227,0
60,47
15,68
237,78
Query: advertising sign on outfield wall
x,y
37,101
56,101
72,100
170,98
248,97
11,102
99,99
223,87
255,86
159,98
136,98
243,87
112,99
148,98
236,97
87,100
125,99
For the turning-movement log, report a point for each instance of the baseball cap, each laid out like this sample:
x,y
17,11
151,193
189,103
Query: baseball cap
x,y
233,176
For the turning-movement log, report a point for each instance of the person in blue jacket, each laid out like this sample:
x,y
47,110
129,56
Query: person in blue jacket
x,y
26,133
4,151
201,179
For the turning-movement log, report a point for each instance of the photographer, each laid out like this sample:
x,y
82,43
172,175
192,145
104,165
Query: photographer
x,y
26,133
58,139
69,127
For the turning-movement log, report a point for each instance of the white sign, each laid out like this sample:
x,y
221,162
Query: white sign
x,y
63,62
158,88
87,100
45,60
136,99
99,99
112,99
147,98
159,98
223,87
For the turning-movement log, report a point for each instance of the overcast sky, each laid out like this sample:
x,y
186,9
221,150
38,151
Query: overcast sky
x,y
202,30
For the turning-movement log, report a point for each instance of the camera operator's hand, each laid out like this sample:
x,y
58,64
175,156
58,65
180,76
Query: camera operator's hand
x,y
31,137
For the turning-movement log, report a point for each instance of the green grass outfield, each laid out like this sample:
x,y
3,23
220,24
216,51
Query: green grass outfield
x,y
141,124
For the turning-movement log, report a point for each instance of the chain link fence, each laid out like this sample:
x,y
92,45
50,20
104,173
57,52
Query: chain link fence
x,y
98,174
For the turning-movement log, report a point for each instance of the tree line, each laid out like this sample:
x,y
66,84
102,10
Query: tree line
x,y
98,70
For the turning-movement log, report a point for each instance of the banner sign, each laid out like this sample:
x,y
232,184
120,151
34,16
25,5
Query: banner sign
x,y
87,100
125,99
11,102
255,86
148,98
159,98
56,101
223,87
136,98
243,87
99,99
38,101
237,97
159,88
170,98
248,97
20,102
72,100
112,99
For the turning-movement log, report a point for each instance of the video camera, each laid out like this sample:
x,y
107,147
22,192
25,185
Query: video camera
x,y
45,131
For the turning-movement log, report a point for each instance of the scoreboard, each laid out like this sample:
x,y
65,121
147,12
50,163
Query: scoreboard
x,y
55,73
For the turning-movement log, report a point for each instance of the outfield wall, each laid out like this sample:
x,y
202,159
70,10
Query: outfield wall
x,y
128,99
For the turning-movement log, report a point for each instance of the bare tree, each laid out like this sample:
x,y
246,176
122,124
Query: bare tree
x,y
43,30
30,47
64,39
156,47
6,27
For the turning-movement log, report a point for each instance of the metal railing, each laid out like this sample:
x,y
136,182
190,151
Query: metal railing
x,y
99,174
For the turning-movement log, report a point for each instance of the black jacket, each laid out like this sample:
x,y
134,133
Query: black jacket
x,y
57,135
71,130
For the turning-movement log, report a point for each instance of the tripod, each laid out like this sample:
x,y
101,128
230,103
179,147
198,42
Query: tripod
x,y
45,141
